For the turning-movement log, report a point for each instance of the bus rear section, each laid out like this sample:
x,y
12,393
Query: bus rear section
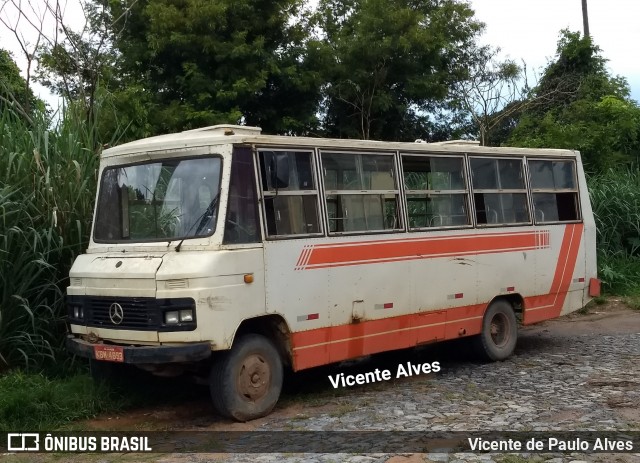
x,y
235,255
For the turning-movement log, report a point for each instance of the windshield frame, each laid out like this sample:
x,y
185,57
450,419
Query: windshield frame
x,y
109,166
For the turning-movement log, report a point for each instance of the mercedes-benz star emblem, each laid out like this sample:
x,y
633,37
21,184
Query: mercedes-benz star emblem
x,y
116,314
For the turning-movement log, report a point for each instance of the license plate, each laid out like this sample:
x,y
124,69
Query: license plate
x,y
109,353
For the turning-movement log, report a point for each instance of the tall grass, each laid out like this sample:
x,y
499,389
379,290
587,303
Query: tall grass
x,y
36,403
47,186
615,198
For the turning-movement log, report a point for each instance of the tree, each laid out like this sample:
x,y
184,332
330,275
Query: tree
x,y
79,64
593,113
491,92
388,64
228,61
14,90
17,18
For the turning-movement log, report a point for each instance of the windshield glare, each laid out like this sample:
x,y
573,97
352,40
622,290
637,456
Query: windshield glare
x,y
164,200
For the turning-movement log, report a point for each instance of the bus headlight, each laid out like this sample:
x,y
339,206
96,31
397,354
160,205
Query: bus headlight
x,y
172,317
186,315
78,312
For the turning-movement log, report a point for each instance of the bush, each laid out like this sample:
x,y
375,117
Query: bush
x,y
615,198
47,187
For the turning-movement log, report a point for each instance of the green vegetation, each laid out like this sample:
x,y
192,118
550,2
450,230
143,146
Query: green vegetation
x,y
615,198
351,68
34,402
579,105
47,187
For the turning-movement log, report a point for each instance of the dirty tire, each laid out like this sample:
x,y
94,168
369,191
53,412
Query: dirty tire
x,y
499,332
245,383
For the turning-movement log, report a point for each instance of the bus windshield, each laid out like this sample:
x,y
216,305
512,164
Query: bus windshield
x,y
164,200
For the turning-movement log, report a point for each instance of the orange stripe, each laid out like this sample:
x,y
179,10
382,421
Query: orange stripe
x,y
398,259
332,255
538,308
333,344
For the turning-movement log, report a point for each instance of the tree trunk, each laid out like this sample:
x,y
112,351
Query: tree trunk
x,y
585,18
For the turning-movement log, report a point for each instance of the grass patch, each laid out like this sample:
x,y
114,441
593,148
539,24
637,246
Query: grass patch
x,y
33,402
633,301
600,300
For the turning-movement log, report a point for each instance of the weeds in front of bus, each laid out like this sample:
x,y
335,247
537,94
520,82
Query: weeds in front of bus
x,y
34,402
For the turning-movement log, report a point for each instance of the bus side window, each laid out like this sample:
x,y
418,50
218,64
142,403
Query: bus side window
x,y
499,191
361,192
241,223
291,197
554,189
436,191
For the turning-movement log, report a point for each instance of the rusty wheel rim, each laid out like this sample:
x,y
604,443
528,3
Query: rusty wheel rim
x,y
254,377
499,330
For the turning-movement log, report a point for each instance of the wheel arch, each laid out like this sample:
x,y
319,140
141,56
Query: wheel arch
x,y
273,327
515,300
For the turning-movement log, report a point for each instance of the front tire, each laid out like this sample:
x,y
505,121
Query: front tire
x,y
246,382
499,335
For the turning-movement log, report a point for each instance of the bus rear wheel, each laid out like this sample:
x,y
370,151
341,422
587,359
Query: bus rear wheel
x,y
246,382
499,334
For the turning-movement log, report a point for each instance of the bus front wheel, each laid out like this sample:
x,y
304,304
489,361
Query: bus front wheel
x,y
245,382
499,334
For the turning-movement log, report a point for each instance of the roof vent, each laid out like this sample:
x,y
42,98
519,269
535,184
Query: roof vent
x,y
228,129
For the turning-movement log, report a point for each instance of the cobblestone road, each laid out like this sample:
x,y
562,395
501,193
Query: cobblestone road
x,y
555,382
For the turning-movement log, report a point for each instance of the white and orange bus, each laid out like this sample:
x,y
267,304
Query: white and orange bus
x,y
244,254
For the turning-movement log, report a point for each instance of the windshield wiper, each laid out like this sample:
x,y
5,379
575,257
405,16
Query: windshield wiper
x,y
201,221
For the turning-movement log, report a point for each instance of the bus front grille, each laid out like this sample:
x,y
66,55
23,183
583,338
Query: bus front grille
x,y
128,313
137,313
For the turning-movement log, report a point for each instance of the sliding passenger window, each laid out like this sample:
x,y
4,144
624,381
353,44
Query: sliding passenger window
x,y
554,189
361,192
436,191
290,193
499,191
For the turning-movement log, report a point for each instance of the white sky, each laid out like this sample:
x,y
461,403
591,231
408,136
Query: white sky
x,y
529,30
523,29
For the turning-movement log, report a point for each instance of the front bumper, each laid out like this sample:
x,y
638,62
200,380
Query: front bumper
x,y
192,352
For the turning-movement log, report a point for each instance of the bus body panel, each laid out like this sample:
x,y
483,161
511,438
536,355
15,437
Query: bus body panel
x,y
420,295
343,295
